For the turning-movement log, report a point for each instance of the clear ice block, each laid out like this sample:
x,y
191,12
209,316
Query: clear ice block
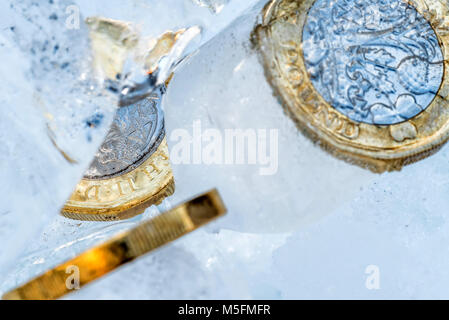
x,y
57,109
54,116
223,86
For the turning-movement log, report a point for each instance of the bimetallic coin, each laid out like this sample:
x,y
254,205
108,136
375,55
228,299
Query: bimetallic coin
x,y
366,79
124,248
135,134
131,169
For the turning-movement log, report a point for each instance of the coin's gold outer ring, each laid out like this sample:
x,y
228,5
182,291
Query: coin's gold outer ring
x,y
378,148
123,248
124,196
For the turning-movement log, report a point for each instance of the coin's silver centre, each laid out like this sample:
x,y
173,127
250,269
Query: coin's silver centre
x,y
135,134
375,61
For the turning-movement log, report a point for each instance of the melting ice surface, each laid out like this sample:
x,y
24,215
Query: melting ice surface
x,y
396,222
222,86
53,117
54,112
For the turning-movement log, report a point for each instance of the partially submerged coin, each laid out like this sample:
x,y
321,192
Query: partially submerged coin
x,y
366,79
130,171
126,247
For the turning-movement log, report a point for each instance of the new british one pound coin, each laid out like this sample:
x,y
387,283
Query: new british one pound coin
x,y
131,169
366,79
